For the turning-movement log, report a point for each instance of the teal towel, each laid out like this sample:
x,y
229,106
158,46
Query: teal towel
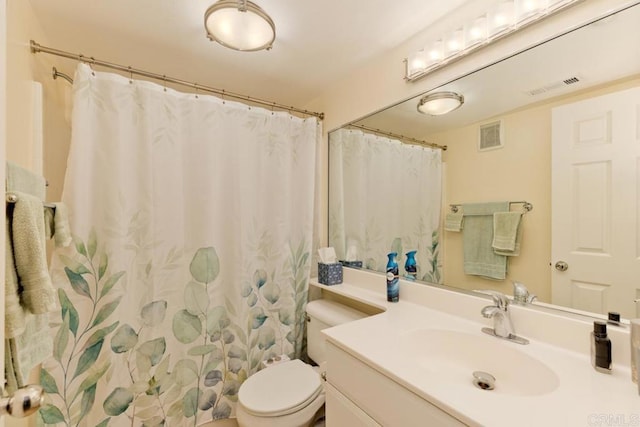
x,y
14,313
507,233
27,237
56,222
477,238
21,179
453,221
26,351
29,294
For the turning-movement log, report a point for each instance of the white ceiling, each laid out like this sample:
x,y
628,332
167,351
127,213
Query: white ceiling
x,y
317,42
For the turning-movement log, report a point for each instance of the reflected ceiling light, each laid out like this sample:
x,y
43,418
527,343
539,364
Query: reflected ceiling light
x,y
502,18
453,42
439,103
239,25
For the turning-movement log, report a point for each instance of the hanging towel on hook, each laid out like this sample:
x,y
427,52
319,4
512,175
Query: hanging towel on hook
x,y
453,221
29,294
21,179
27,238
56,222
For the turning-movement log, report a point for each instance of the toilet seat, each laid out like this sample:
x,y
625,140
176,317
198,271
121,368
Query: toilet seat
x,y
280,390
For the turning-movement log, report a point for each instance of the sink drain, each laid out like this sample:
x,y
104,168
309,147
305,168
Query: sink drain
x,y
484,380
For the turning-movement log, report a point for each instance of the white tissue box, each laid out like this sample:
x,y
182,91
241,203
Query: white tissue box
x,y
330,274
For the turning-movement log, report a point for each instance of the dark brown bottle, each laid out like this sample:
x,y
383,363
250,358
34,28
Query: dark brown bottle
x,y
600,348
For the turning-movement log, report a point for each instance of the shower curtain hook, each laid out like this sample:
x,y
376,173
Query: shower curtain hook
x,y
196,86
164,84
223,101
273,105
130,74
93,62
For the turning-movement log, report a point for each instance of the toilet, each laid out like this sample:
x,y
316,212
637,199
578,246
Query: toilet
x,y
291,394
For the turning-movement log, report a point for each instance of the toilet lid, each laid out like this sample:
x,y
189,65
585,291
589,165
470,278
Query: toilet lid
x,y
281,389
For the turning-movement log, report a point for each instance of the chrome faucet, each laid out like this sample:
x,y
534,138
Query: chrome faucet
x,y
521,294
502,323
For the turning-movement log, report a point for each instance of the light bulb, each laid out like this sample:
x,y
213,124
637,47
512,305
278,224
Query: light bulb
x,y
475,31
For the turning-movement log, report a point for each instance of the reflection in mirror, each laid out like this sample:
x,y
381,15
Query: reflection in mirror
x,y
384,197
561,107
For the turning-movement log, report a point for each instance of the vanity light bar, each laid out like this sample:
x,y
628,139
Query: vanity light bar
x,y
504,18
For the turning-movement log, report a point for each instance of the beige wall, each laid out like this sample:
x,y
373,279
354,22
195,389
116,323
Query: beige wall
x,y
521,170
22,69
21,145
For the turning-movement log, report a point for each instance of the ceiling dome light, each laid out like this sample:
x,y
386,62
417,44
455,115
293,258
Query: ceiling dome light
x,y
439,103
239,25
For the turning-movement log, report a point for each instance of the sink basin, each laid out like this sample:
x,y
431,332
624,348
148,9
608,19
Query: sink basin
x,y
452,357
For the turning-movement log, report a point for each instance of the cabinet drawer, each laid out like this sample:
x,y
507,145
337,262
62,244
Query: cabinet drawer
x,y
384,400
341,412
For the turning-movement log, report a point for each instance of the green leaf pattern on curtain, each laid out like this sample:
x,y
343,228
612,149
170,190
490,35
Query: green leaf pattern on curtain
x,y
161,390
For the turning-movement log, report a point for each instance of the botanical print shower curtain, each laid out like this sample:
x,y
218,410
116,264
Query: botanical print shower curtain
x,y
193,221
385,196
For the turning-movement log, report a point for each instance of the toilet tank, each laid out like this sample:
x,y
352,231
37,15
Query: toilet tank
x,y
322,314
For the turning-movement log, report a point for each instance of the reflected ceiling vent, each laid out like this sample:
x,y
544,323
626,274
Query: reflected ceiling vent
x,y
553,86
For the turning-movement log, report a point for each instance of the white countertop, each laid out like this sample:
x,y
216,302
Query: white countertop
x,y
584,397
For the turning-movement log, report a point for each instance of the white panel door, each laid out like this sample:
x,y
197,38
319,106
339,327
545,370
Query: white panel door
x,y
595,177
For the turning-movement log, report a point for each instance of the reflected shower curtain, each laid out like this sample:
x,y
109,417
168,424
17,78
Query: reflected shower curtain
x,y
385,196
192,219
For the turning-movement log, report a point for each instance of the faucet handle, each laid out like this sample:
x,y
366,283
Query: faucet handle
x,y
499,299
521,294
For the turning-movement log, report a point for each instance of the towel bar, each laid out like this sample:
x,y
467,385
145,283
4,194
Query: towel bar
x,y
12,198
525,205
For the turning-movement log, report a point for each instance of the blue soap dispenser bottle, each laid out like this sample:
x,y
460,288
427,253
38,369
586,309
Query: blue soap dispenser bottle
x,y
393,285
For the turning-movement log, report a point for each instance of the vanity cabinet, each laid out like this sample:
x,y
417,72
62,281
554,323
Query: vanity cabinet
x,y
340,411
358,395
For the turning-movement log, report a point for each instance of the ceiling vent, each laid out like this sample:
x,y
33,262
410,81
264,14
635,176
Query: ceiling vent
x,y
553,86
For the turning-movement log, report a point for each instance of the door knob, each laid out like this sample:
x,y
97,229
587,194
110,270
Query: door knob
x,y
562,266
24,402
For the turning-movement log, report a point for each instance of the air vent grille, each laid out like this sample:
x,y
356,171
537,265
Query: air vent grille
x,y
553,86
490,136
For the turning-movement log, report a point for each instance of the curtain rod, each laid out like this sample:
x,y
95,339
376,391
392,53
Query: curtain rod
x,y
398,136
36,48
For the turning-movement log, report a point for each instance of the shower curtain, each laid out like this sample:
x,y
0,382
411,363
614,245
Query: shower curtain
x,y
192,220
385,196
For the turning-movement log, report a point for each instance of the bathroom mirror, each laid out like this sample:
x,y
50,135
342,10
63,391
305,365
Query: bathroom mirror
x,y
521,100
